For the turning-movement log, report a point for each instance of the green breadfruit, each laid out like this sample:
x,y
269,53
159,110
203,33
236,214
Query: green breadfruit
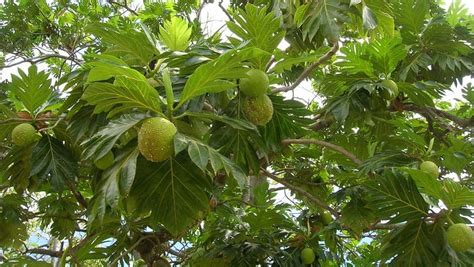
x,y
195,128
106,161
460,237
24,134
390,90
430,168
258,110
256,83
307,256
326,218
155,139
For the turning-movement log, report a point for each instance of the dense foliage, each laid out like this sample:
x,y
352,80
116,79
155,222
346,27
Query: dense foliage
x,y
271,179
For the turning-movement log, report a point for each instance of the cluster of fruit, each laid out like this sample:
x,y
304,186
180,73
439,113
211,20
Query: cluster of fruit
x,y
256,105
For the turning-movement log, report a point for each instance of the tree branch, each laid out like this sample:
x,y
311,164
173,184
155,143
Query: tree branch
x,y
308,70
34,60
48,252
123,6
334,147
80,199
440,113
301,191
225,10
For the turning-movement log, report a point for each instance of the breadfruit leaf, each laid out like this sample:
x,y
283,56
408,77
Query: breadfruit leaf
x,y
232,122
258,27
118,179
219,74
32,89
16,167
456,195
132,46
202,154
396,198
51,160
173,190
290,119
103,141
130,90
175,34
414,244
323,16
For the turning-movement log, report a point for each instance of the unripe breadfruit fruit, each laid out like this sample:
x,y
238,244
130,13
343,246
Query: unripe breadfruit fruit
x,y
24,134
307,256
390,91
258,110
326,218
106,161
460,237
430,168
155,139
256,83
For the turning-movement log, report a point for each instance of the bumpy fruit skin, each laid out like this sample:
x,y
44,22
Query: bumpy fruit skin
x,y
258,110
106,161
24,134
195,129
256,83
460,237
155,139
430,168
307,256
391,90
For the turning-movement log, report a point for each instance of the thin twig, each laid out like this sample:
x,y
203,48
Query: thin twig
x,y
308,70
124,6
334,147
301,191
34,60
225,10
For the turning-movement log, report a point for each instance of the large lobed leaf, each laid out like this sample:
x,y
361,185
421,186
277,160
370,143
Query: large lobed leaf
x,y
396,198
258,27
175,34
321,16
118,179
133,46
202,154
104,140
51,160
129,91
174,191
414,244
32,89
219,74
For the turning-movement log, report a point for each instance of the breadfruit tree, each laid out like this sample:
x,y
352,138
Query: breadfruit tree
x,y
328,133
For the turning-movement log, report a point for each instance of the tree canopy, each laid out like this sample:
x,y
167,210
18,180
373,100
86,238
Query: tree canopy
x,y
145,150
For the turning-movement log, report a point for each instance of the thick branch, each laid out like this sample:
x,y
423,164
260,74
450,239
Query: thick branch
x,y
48,252
308,70
334,147
301,191
440,113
